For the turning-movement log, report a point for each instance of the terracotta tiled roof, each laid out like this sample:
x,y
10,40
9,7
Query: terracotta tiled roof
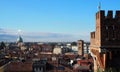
x,y
19,66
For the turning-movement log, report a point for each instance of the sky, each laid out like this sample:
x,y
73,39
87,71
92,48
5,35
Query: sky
x,y
50,20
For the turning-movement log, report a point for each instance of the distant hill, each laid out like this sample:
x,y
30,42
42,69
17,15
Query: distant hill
x,y
7,37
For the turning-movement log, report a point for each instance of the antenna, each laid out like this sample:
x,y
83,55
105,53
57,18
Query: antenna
x,y
99,6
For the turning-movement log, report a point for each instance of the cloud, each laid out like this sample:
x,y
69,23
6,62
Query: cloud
x,y
11,35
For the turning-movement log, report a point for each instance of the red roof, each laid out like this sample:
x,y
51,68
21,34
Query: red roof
x,y
19,66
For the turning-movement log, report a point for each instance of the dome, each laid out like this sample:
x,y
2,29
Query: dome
x,y
19,39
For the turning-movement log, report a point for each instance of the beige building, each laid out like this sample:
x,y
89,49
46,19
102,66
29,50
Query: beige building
x,y
57,50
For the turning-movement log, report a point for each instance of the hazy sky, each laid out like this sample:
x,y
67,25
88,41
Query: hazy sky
x,y
76,17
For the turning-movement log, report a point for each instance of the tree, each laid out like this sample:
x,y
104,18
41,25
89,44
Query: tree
x,y
73,43
2,45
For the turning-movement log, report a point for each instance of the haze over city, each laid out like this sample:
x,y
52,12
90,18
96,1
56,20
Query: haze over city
x,y
59,36
50,20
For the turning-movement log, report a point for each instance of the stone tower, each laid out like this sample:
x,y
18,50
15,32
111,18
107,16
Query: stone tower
x,y
105,41
80,44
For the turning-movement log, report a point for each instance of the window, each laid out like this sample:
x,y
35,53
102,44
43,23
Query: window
x,y
79,47
113,33
106,27
107,35
113,27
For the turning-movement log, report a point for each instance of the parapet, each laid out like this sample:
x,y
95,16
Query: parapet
x,y
117,15
92,34
101,14
110,14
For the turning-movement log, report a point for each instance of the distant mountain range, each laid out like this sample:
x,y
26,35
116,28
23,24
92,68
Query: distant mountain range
x,y
7,37
11,36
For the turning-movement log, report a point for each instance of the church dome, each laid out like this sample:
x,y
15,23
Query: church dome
x,y
19,39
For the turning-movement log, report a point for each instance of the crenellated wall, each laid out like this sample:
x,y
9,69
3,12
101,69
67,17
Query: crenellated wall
x,y
105,41
107,28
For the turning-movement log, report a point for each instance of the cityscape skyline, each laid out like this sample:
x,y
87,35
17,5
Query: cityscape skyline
x,y
51,20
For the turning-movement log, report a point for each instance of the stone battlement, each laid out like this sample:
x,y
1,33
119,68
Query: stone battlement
x,y
109,15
